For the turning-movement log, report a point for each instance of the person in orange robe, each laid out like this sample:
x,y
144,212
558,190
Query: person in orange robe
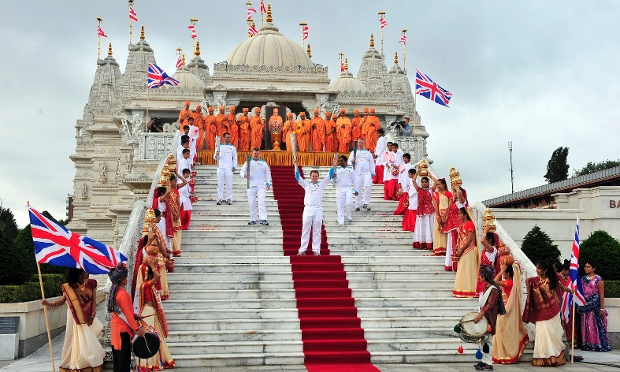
x,y
343,130
330,132
221,121
233,126
275,120
290,125
303,132
199,121
318,131
244,130
257,125
210,128
185,114
356,126
372,124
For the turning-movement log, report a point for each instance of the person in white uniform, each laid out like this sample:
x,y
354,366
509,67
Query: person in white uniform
x,y
184,162
260,183
364,164
344,177
226,157
380,150
312,217
193,137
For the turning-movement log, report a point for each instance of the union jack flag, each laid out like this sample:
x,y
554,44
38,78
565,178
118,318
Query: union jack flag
x,y
403,39
132,14
250,11
193,28
575,281
383,22
100,32
55,245
252,29
262,7
305,32
158,77
426,87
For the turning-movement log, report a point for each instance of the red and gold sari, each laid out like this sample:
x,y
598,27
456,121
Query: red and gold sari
x,y
468,262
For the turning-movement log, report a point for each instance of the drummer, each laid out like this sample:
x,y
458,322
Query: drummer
x,y
123,326
491,304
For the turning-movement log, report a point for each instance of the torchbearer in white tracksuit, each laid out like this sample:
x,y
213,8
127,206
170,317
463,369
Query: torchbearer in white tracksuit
x,y
226,156
312,217
259,183
363,162
344,178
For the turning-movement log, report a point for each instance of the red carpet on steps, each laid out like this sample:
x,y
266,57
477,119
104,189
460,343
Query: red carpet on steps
x,y
333,339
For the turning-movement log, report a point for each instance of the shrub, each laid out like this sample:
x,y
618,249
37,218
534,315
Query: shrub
x,y
604,250
31,290
612,288
14,266
537,246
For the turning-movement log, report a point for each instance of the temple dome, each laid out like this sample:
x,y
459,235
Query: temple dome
x,y
347,83
269,48
187,79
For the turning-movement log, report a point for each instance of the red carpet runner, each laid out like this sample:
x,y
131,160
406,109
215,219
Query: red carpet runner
x,y
333,339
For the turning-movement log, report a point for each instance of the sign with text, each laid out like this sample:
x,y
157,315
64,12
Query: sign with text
x,y
8,325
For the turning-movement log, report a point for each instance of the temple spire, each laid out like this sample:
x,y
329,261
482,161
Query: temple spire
x,y
110,49
309,51
197,49
395,58
142,33
269,17
372,40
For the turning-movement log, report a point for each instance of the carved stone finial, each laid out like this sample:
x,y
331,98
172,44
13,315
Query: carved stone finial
x,y
395,58
372,40
309,51
110,49
183,58
197,49
142,33
269,17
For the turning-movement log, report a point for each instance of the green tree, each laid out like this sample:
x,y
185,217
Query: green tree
x,y
604,251
592,167
557,167
14,267
538,246
8,226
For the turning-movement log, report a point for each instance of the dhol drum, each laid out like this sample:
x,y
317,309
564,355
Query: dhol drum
x,y
147,346
470,331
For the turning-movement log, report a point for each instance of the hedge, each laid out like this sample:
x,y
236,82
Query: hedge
x,y
612,288
31,290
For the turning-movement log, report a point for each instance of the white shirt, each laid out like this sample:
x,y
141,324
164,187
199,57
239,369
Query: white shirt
x,y
403,176
180,152
314,191
380,149
184,164
413,196
364,162
228,156
344,178
193,133
260,175
184,191
180,138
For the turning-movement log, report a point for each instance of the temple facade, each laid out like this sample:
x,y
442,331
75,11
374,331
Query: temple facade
x,y
115,157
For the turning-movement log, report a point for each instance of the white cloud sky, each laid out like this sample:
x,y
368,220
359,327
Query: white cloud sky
x,y
539,74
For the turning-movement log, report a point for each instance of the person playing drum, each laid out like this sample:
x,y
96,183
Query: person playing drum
x,y
491,304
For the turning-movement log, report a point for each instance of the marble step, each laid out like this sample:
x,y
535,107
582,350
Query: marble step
x,y
196,249
348,260
239,347
234,335
245,325
287,293
286,276
248,268
199,361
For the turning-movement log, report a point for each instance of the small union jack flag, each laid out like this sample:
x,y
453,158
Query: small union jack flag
x,y
100,32
403,39
179,63
383,22
55,245
193,28
426,87
305,32
252,29
158,77
250,11
575,281
262,7
132,14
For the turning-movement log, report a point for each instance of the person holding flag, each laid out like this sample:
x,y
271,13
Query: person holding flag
x,y
593,313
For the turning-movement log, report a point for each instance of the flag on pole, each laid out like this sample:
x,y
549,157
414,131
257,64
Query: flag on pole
x,y
263,10
157,77
383,22
55,245
100,32
342,66
179,63
193,28
427,88
250,11
132,14
403,39
575,281
305,32
252,29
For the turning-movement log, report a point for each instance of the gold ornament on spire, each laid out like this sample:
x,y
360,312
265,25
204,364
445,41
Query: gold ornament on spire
x,y
489,220
183,58
395,58
372,40
197,49
455,177
269,17
142,33
346,64
110,49
309,51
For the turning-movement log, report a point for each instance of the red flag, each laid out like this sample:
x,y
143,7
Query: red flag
x,y
252,30
132,14
179,62
193,28
100,32
262,7
403,39
341,66
383,22
250,11
305,31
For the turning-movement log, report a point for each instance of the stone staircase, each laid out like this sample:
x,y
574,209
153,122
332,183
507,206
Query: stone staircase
x,y
232,300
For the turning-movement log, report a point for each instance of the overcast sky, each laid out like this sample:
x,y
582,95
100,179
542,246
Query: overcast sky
x,y
541,74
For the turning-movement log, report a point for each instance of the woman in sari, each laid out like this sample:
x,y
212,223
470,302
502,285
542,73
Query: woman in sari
x,y
468,256
511,337
442,201
542,308
153,314
156,253
423,233
562,270
593,314
489,254
81,350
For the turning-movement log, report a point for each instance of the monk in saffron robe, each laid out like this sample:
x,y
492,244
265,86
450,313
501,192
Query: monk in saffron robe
x,y
356,126
221,121
244,130
290,125
343,130
275,121
330,132
303,132
234,127
210,128
185,114
372,124
318,131
199,122
257,125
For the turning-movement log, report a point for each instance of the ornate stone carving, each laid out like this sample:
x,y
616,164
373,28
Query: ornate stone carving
x,y
131,130
103,175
